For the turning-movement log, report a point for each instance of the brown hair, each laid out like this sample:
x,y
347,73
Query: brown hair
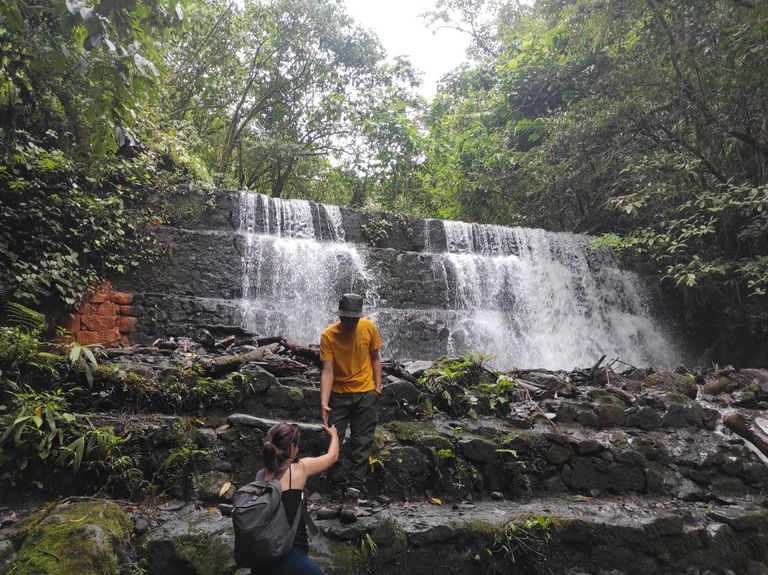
x,y
277,447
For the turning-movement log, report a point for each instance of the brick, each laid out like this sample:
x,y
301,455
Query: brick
x,y
121,298
128,310
86,337
73,322
106,308
127,324
99,322
106,337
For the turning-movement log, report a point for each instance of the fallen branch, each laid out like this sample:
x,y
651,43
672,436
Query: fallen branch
x,y
114,352
747,429
311,353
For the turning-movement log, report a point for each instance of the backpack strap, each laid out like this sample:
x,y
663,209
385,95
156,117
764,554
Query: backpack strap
x,y
307,518
302,512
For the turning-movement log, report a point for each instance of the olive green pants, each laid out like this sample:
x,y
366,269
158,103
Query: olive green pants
x,y
359,411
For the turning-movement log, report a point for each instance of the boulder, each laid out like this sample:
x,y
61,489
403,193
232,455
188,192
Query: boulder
x,y
478,450
682,383
87,538
200,543
644,417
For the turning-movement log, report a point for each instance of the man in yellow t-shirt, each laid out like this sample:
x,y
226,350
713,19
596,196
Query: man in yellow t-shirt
x,y
350,387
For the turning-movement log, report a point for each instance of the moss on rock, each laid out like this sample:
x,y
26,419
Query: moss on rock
x,y
420,433
87,538
682,383
347,560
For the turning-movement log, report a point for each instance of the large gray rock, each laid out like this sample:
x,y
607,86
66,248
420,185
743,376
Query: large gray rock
x,y
200,543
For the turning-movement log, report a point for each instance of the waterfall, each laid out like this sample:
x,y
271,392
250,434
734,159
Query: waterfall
x,y
536,298
295,266
528,297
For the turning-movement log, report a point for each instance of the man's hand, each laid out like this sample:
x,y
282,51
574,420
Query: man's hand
x,y
326,382
331,431
324,411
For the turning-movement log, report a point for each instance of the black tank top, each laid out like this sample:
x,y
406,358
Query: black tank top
x,y
291,499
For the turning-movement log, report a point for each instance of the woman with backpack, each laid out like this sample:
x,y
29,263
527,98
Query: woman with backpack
x,y
281,449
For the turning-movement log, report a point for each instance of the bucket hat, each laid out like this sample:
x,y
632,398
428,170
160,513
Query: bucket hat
x,y
351,305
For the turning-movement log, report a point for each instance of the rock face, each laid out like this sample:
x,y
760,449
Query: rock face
x,y
473,471
433,287
88,538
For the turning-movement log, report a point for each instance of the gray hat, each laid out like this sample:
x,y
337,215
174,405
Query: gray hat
x,y
351,305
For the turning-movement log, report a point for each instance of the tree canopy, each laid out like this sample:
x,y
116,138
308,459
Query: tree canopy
x,y
643,122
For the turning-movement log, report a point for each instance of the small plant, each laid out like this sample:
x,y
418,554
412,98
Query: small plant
x,y
528,536
43,430
445,455
376,229
368,547
373,462
82,357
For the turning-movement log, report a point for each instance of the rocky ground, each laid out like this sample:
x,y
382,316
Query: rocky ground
x,y
594,471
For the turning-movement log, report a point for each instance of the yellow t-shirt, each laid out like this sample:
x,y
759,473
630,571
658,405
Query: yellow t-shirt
x,y
350,353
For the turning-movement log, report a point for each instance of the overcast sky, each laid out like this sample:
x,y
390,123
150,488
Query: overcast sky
x,y
404,33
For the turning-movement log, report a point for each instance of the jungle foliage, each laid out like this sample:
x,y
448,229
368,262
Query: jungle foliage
x,y
644,122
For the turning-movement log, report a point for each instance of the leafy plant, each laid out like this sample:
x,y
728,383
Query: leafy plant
x,y
529,536
368,547
82,357
44,431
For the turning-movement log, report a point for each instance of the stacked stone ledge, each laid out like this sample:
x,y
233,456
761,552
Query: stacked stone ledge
x,y
105,316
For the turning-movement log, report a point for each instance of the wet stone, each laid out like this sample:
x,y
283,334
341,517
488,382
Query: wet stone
x,y
478,450
587,446
558,454
610,415
645,418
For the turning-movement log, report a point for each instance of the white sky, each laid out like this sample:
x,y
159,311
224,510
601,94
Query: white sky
x,y
404,33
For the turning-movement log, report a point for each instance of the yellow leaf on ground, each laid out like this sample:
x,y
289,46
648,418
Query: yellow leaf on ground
x,y
224,488
436,501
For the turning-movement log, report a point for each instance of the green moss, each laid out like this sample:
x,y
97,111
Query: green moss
x,y
381,438
295,394
205,555
346,560
682,383
87,538
419,433
479,528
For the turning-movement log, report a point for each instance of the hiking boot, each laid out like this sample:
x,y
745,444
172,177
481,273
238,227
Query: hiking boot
x,y
349,508
332,509
329,511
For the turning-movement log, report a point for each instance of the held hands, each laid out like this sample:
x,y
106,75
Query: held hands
x,y
331,431
324,411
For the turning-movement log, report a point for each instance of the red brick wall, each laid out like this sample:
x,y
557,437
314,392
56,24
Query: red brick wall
x,y
105,317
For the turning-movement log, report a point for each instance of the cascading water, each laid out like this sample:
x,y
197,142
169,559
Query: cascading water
x,y
295,266
530,298
536,298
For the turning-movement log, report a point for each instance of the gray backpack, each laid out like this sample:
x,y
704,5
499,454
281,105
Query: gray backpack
x,y
262,532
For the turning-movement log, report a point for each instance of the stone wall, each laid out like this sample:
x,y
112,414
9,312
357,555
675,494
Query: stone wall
x,y
105,316
197,281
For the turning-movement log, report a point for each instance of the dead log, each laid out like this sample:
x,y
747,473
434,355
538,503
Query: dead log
x,y
112,353
311,353
620,393
392,368
748,429
281,366
224,330
595,367
719,385
218,366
